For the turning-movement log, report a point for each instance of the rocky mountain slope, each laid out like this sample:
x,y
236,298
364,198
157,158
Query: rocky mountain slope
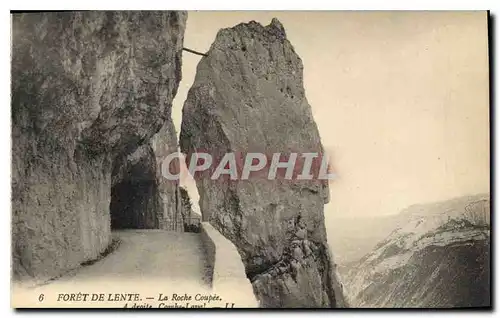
x,y
350,238
248,96
438,257
88,89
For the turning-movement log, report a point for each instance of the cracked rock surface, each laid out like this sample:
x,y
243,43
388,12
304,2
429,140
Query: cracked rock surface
x,y
248,96
87,88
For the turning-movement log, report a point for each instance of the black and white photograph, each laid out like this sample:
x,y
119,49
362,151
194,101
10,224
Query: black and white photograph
x,y
250,159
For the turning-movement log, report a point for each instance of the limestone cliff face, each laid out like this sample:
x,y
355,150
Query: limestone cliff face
x,y
163,144
87,88
248,96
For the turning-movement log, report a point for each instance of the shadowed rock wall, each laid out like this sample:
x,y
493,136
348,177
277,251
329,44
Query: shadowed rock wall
x,y
134,192
87,88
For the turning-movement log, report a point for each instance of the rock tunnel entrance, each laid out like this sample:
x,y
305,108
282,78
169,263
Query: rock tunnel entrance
x,y
134,193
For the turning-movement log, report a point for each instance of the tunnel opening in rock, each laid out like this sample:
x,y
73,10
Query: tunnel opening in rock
x,y
134,193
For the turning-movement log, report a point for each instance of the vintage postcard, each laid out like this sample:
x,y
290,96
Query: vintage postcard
x,y
250,159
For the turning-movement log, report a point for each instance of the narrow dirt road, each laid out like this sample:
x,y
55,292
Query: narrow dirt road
x,y
159,268
151,254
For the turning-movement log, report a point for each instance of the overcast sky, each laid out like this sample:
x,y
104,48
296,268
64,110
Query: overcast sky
x,y
400,99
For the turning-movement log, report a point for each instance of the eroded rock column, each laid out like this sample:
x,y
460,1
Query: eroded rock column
x,y
248,96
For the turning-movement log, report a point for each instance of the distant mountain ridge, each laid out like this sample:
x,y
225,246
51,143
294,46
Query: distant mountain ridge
x,y
437,257
351,238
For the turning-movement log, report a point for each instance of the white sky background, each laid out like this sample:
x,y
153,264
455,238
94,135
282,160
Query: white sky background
x,y
400,99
